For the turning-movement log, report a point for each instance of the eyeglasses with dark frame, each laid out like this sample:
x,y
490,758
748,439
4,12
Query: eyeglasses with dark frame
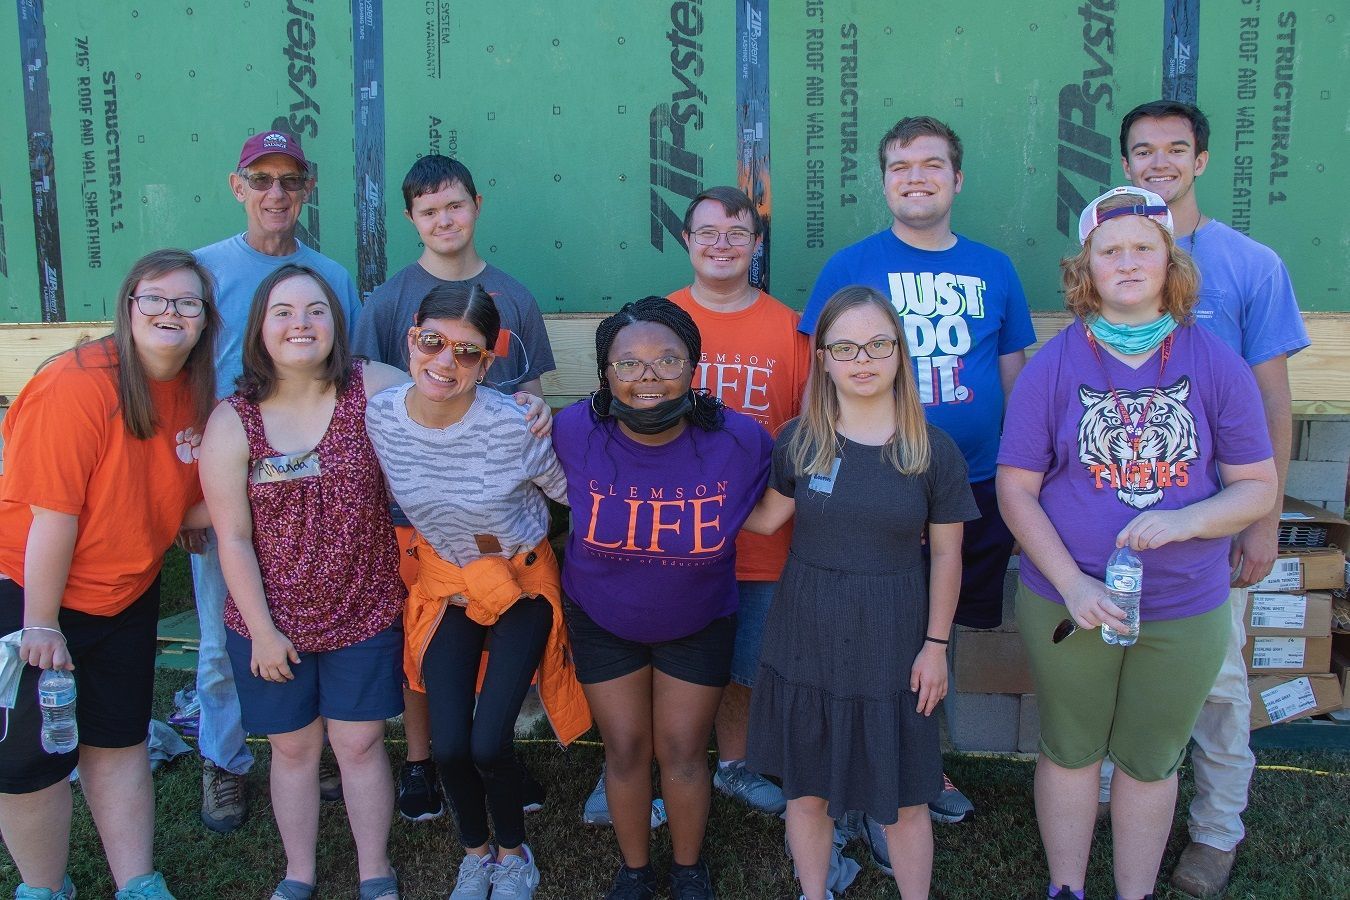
x,y
847,351
666,368
187,306
466,354
736,237
262,182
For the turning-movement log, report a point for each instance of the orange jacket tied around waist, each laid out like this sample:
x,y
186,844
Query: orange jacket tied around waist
x,y
491,584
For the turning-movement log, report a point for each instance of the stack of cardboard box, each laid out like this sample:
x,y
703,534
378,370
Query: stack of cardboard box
x,y
1288,620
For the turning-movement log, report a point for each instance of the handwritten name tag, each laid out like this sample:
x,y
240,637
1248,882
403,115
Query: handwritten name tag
x,y
824,484
287,467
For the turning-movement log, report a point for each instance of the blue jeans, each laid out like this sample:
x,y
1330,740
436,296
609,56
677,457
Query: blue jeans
x,y
755,599
221,733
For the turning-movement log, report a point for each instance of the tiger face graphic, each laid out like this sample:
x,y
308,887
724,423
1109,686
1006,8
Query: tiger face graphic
x,y
1167,443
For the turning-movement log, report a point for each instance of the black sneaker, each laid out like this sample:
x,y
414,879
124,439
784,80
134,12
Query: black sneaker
x,y
691,882
419,792
532,793
633,884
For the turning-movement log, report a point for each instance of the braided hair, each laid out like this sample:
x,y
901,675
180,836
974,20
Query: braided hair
x,y
707,409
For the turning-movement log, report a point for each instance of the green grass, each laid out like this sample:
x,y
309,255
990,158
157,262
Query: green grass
x,y
1298,842
1298,845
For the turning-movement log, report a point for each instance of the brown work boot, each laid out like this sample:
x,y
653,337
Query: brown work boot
x,y
1203,870
224,799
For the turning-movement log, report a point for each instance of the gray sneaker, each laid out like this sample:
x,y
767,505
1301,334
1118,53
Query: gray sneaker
x,y
951,806
475,877
596,810
224,798
874,836
750,788
515,877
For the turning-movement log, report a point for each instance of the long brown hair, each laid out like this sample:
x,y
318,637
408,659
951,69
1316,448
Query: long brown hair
x,y
133,389
1180,288
813,446
259,380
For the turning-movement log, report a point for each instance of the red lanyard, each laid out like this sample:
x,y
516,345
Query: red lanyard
x,y
1134,429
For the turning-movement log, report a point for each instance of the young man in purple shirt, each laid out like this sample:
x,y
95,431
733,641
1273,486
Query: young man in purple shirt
x,y
1247,299
967,325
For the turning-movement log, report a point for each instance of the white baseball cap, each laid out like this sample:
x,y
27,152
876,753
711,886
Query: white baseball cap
x,y
1154,208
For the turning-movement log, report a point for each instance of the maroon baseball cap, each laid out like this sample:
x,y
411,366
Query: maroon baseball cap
x,y
265,142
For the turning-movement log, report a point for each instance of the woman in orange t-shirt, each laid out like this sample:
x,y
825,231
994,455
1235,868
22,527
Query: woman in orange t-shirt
x,y
99,476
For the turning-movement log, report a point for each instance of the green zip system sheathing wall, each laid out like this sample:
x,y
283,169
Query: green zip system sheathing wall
x,y
589,124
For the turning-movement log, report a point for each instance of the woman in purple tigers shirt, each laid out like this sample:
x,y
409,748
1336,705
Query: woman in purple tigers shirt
x,y
1132,426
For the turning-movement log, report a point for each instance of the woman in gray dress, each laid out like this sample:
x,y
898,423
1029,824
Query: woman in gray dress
x,y
854,658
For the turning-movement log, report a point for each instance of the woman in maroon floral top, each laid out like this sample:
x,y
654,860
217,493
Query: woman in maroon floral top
x,y
308,552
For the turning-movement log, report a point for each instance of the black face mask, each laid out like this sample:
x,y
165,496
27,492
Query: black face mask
x,y
652,419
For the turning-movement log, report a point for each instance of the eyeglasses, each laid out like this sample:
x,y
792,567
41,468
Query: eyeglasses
x,y
666,368
1063,630
466,355
847,351
736,237
261,181
188,307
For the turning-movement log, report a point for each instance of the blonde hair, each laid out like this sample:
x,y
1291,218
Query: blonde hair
x,y
1180,287
813,446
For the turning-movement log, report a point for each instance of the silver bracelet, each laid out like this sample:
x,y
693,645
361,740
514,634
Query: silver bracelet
x,y
44,628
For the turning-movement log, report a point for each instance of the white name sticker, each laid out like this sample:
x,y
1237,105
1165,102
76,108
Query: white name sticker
x,y
287,467
1278,652
1289,699
1279,610
824,484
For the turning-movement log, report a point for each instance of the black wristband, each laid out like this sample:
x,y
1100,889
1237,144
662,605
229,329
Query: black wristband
x,y
936,640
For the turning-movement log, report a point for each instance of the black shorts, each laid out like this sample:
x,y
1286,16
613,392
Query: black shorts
x,y
114,682
985,552
703,657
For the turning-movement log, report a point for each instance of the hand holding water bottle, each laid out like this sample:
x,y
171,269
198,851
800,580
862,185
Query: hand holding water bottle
x,y
1089,603
45,647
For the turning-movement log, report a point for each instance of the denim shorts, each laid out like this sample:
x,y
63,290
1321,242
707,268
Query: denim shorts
x,y
360,683
756,597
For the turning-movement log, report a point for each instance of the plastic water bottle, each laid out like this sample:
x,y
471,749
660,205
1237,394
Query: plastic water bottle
x,y
56,696
1124,581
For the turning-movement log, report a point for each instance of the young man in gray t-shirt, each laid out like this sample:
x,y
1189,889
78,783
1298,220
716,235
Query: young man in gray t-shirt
x,y
443,205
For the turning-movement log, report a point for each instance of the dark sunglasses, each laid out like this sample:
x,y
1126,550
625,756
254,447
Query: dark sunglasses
x,y
1063,630
261,181
430,342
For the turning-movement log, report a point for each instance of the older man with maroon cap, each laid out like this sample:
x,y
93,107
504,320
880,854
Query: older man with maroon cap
x,y
272,180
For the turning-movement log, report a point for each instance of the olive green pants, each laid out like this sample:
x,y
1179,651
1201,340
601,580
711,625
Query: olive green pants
x,y
1135,704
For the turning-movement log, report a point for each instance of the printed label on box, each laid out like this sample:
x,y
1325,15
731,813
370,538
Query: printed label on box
x,y
1278,652
1283,577
1288,699
1279,610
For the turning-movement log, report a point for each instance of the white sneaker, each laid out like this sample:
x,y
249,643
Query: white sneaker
x,y
515,877
475,877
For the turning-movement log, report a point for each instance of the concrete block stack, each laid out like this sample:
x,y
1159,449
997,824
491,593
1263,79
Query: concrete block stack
x,y
1320,465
